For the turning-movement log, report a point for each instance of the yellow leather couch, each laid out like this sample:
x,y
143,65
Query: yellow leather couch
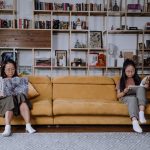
x,y
76,100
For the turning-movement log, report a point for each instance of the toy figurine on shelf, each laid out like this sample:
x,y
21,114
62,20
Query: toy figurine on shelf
x,y
78,23
77,44
115,7
101,60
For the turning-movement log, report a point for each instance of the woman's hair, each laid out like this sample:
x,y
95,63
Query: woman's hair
x,y
136,78
4,65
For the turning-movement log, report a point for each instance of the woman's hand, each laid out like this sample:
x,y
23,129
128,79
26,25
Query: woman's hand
x,y
126,90
147,82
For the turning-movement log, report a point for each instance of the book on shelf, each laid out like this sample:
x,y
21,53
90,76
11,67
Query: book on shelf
x,y
24,23
13,86
43,24
134,8
67,6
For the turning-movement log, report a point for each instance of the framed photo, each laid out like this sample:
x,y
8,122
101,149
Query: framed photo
x,y
93,59
128,55
141,46
148,44
61,58
96,40
6,55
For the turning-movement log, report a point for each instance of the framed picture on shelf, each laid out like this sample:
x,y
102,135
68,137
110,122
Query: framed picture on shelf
x,y
141,46
6,55
25,70
128,55
93,59
61,58
96,40
148,44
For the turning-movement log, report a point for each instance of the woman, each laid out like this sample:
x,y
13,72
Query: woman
x,y
131,93
14,104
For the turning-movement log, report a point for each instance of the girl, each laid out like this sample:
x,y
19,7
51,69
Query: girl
x,y
130,93
14,104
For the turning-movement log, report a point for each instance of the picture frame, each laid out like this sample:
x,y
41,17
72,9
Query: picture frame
x,y
8,54
61,58
141,46
93,59
148,44
128,55
96,40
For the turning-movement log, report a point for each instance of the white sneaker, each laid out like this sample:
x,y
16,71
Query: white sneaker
x,y
136,126
29,128
7,131
142,117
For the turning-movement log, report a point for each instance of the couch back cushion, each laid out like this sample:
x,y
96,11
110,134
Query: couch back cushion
x,y
43,85
87,87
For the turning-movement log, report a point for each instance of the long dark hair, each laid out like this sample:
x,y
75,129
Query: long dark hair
x,y
4,65
136,78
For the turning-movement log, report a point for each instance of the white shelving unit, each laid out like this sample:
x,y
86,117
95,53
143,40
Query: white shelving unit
x,y
95,16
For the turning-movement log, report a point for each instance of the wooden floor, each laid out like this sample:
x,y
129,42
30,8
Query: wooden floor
x,y
79,128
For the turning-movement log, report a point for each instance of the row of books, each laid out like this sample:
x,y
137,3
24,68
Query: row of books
x,y
24,24
21,24
43,24
57,24
67,6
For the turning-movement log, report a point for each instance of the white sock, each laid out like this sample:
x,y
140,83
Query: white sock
x,y
29,128
7,131
136,126
142,117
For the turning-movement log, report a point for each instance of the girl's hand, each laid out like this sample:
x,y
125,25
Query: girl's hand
x,y
146,86
126,90
147,82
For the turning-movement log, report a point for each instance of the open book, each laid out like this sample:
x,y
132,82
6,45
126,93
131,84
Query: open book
x,y
144,81
13,86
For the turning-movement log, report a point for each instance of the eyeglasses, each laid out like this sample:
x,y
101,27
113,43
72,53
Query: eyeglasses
x,y
129,71
9,69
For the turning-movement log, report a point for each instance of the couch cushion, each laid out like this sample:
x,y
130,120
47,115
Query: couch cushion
x,y
42,108
84,88
88,107
83,80
32,92
116,79
43,86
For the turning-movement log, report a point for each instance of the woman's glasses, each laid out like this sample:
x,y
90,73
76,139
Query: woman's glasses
x,y
9,69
